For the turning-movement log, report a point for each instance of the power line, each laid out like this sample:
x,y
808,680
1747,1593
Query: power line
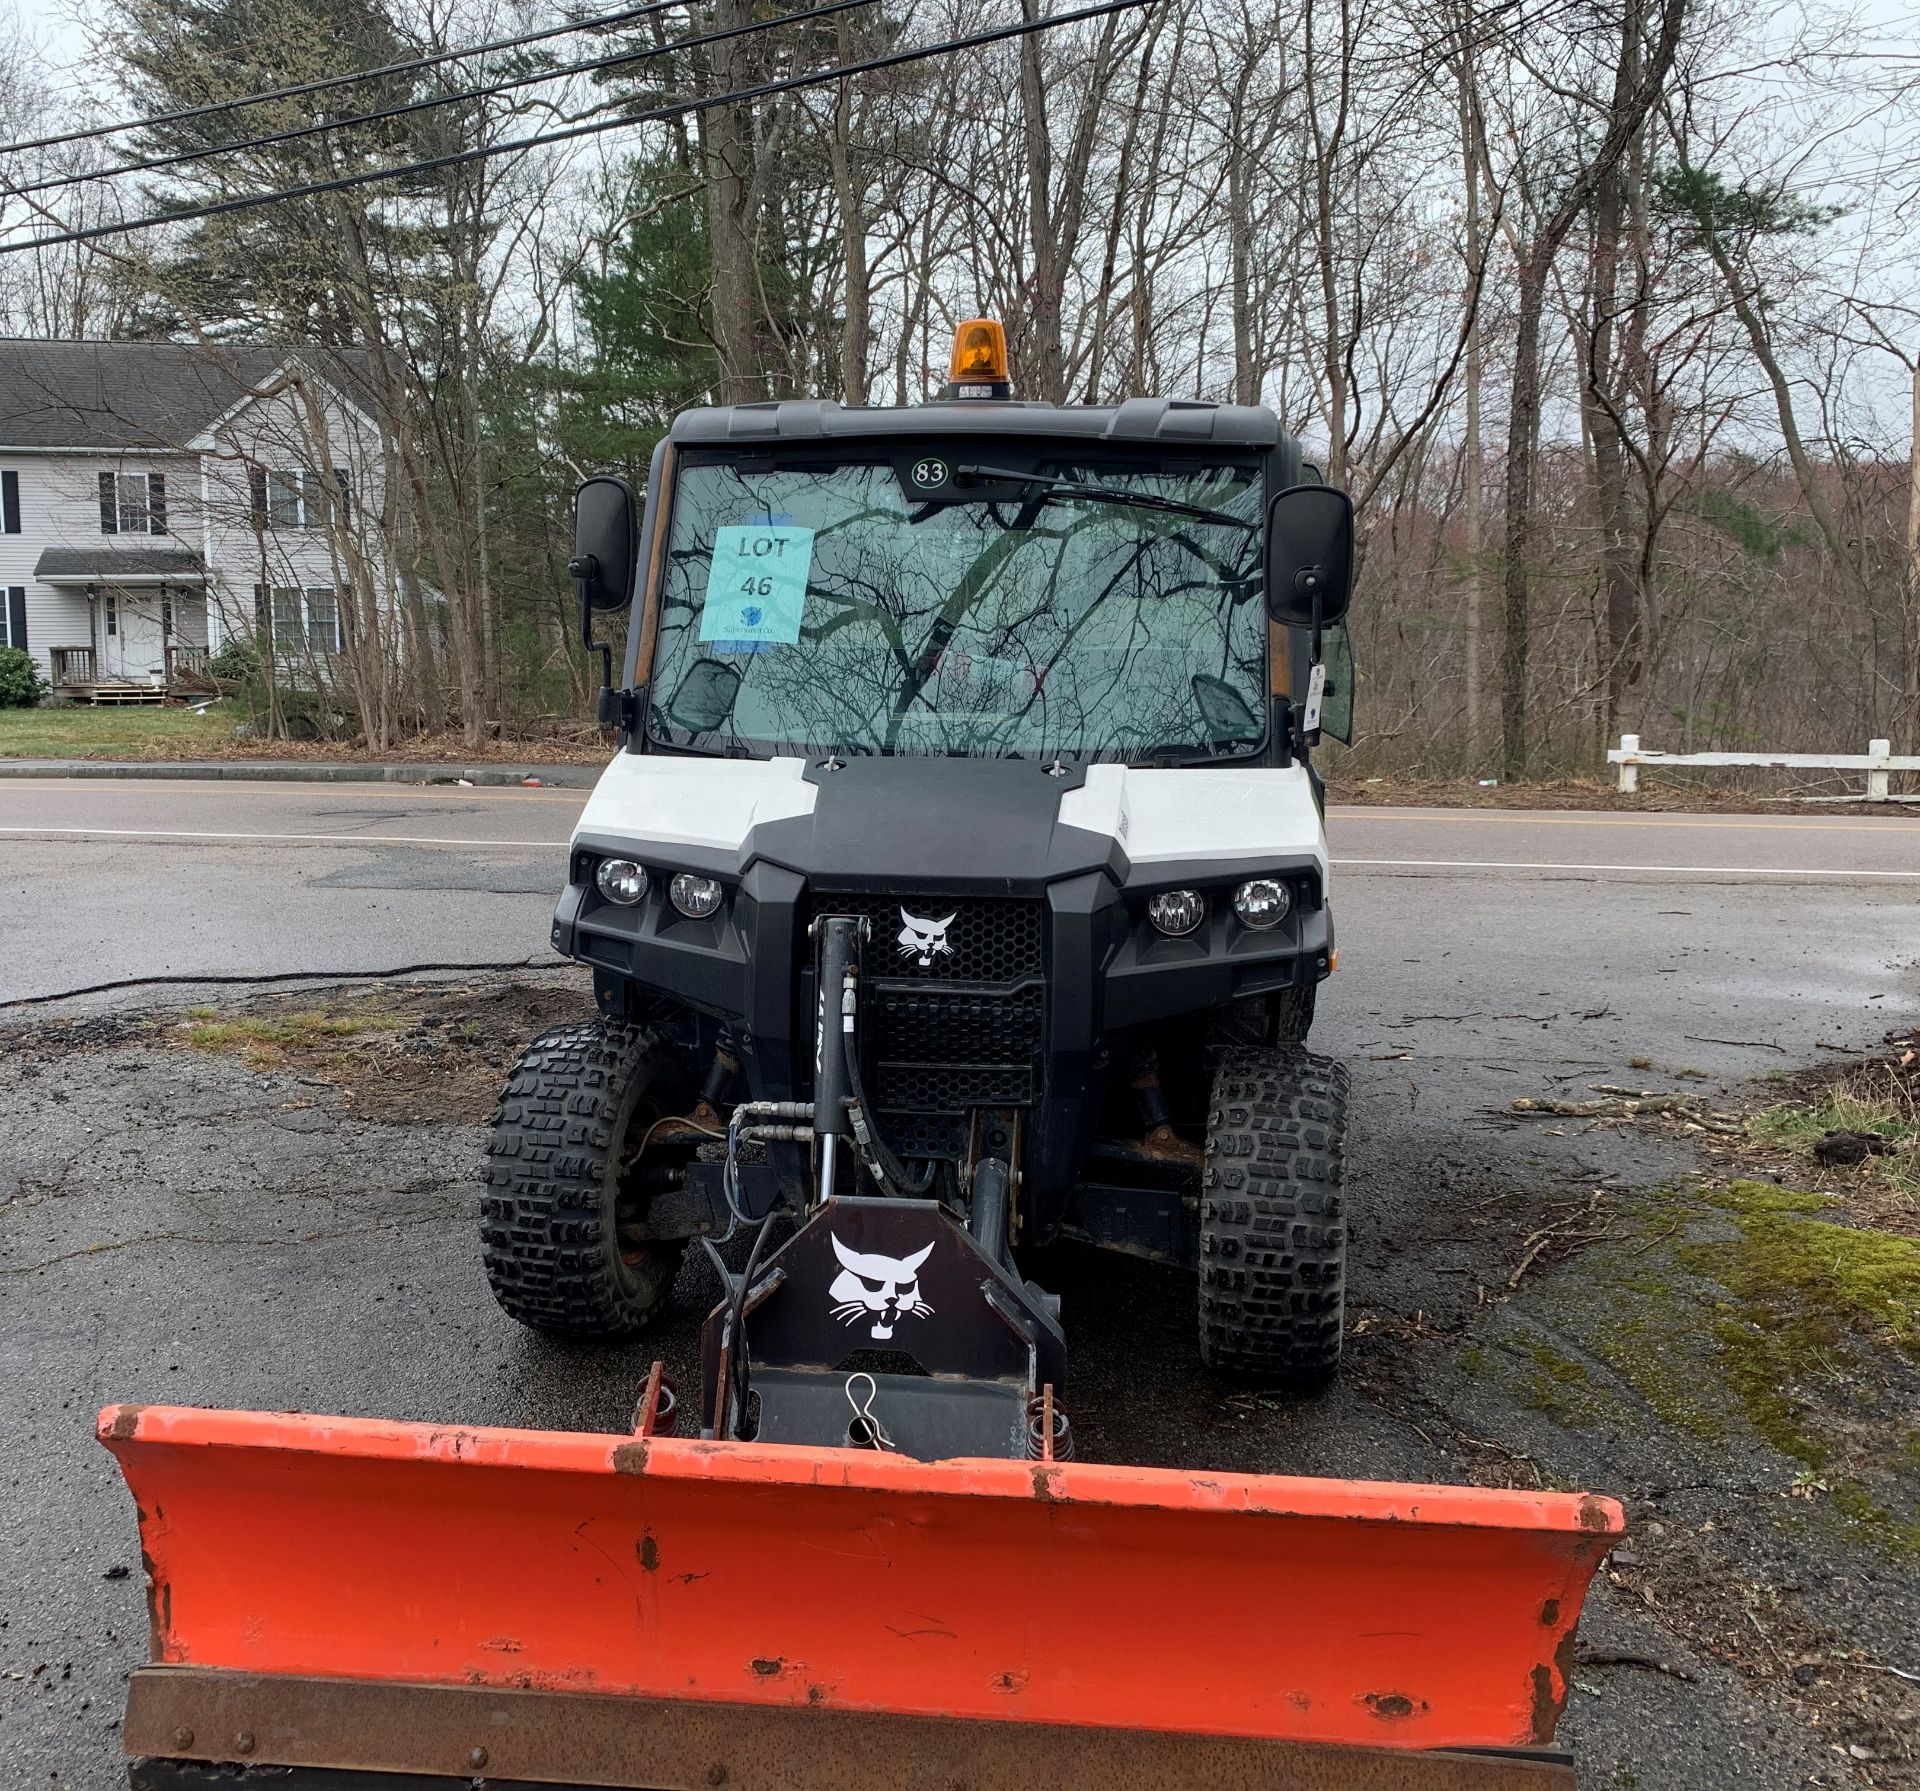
x,y
358,119
657,114
595,23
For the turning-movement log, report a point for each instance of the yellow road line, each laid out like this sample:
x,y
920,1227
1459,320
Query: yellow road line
x,y
297,839
1799,824
103,786
1687,870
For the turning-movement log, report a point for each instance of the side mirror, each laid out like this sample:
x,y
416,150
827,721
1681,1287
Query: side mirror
x,y
1309,555
605,534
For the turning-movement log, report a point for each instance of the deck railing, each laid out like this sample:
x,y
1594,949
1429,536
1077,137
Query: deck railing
x,y
73,666
187,667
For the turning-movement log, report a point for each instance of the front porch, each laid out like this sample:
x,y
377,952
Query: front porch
x,y
139,624
77,676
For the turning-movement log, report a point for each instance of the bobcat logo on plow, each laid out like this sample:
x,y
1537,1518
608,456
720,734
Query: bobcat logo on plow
x,y
924,940
880,1288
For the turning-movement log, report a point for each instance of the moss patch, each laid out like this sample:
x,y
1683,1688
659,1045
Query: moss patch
x,y
1808,1281
272,1040
1748,1310
1559,1386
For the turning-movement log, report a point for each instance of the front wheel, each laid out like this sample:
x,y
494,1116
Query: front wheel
x,y
1284,1017
1273,1236
566,1192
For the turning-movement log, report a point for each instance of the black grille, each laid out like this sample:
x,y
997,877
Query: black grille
x,y
963,1030
953,1027
989,939
942,1087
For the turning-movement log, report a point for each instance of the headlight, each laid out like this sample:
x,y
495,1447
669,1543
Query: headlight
x,y
621,880
1261,903
1177,911
696,897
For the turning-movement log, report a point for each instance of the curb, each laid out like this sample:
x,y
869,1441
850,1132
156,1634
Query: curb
x,y
303,771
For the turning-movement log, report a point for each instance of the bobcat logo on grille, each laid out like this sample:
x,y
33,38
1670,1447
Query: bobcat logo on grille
x,y
924,940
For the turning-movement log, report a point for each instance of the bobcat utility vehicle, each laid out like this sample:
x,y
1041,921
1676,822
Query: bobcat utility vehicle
x,y
959,885
963,797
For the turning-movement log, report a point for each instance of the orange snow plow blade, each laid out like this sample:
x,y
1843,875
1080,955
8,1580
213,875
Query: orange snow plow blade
x,y
561,1608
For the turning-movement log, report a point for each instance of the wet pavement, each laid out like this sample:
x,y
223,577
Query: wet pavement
x,y
176,1225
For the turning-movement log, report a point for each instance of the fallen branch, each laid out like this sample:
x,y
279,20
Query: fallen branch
x,y
1700,1038
1624,1657
1635,1107
1558,1232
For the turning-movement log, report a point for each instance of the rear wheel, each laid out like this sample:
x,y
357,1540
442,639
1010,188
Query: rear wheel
x,y
1273,1237
567,1185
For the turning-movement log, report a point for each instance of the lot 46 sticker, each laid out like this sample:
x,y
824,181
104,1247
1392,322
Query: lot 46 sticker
x,y
757,584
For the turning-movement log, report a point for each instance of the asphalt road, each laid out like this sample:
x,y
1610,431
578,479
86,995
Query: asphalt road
x,y
1785,930
175,1225
1481,941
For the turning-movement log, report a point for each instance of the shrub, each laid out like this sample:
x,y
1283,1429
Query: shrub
x,y
20,686
237,662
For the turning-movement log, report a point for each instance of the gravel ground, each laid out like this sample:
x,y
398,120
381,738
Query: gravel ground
x,y
199,1211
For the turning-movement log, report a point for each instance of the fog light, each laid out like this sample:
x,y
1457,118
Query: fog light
x,y
696,897
1177,911
1261,903
621,880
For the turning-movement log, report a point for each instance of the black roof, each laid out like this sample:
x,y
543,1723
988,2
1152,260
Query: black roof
x,y
1168,421
108,563
138,395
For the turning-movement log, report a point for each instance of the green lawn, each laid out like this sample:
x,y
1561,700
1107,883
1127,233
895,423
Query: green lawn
x,y
114,732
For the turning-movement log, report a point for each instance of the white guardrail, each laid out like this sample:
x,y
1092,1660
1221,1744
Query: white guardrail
x,y
1878,761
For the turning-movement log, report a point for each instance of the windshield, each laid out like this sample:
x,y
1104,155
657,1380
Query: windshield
x,y
875,606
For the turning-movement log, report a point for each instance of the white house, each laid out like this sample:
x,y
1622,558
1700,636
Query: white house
x,y
159,497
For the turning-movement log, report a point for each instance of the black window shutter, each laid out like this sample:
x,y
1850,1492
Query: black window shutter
x,y
16,612
263,614
109,505
346,497
10,501
257,477
157,503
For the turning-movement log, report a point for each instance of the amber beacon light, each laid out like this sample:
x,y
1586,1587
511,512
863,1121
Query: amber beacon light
x,y
979,365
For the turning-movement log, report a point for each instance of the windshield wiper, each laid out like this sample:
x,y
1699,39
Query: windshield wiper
x,y
1104,494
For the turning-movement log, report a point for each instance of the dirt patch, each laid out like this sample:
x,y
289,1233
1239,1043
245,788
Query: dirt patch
x,y
1851,1128
1741,1366
1867,1710
413,1054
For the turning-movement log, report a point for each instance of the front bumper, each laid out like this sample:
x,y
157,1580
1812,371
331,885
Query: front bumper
x,y
1103,970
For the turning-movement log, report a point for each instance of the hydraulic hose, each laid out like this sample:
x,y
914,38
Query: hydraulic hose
x,y
891,1168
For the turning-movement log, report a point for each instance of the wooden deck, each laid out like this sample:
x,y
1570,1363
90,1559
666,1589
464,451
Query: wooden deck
x,y
76,675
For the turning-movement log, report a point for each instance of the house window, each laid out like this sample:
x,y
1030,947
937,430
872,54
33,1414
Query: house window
x,y
113,612
307,619
13,616
287,506
289,624
133,504
166,618
323,621
293,497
